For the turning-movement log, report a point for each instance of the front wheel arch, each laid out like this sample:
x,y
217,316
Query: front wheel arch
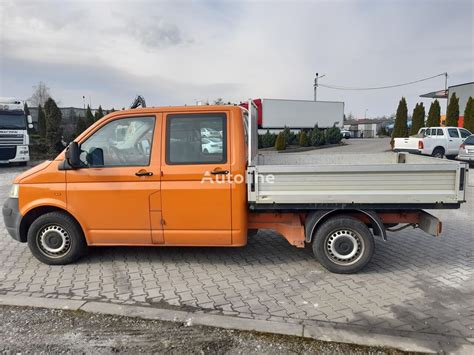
x,y
36,212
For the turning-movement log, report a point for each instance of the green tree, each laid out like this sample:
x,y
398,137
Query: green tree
x,y
400,128
303,139
469,115
333,135
289,136
280,143
80,126
452,113
41,123
89,117
268,139
53,130
418,118
317,137
434,114
99,113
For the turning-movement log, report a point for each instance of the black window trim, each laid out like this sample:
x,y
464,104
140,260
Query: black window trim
x,y
169,117
122,166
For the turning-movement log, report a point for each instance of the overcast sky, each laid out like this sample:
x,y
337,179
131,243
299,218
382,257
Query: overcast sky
x,y
177,52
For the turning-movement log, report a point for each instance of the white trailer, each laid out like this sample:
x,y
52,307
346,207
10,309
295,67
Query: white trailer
x,y
280,113
14,126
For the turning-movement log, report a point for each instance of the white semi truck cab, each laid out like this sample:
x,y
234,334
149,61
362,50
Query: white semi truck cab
x,y
14,124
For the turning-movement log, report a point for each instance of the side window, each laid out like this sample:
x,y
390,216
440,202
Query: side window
x,y
122,142
440,132
464,133
427,132
453,132
196,139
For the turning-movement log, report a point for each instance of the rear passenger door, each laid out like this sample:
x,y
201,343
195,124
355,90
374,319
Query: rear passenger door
x,y
196,195
454,141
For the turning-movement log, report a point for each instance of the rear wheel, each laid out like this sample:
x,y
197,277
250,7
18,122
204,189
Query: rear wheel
x,y
56,239
343,245
438,153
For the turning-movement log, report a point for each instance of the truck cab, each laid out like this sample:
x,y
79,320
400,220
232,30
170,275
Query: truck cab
x,y
442,141
14,139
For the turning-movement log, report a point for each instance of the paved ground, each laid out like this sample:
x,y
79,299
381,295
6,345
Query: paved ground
x,y
416,284
88,333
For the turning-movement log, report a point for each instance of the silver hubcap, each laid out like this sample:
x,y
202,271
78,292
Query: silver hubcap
x,y
344,247
54,241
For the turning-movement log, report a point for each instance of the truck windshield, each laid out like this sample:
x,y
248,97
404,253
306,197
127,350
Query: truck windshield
x,y
12,120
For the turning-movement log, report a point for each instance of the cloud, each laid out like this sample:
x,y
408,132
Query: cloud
x,y
176,52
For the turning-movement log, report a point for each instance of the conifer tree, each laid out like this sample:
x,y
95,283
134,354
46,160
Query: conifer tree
x,y
400,128
53,130
434,114
452,113
469,115
41,123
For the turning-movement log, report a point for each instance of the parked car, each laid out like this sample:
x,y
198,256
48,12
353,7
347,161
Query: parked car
x,y
409,144
435,141
211,145
466,150
346,134
443,141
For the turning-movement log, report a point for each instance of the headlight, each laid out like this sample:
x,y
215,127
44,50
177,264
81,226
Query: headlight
x,y
14,191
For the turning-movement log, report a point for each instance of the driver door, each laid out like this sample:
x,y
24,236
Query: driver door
x,y
110,195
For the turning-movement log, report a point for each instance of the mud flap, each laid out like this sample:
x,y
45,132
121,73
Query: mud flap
x,y
430,224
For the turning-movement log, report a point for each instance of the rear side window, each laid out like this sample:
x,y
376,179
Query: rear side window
x,y
453,132
469,140
439,132
196,139
464,133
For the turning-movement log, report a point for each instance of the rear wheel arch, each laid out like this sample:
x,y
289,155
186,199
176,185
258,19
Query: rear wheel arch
x,y
36,212
317,218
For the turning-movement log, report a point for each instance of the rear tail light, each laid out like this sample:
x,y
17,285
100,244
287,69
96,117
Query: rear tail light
x,y
420,145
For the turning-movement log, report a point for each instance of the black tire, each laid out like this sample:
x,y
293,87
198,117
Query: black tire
x,y
343,245
65,243
23,163
252,232
438,152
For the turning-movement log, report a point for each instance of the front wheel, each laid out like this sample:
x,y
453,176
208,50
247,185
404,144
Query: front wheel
x,y
343,245
56,239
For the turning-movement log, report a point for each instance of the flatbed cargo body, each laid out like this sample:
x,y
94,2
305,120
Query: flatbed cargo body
x,y
385,180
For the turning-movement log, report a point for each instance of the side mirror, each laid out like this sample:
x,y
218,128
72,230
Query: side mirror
x,y
30,125
29,119
73,155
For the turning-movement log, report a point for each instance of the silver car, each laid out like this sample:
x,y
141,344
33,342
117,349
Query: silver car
x,y
466,150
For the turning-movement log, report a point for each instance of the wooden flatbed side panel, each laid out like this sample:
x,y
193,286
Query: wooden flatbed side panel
x,y
290,225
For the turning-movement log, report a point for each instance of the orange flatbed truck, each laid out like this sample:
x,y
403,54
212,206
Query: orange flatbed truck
x,y
192,176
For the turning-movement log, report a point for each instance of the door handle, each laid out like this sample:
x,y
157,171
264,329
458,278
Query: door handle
x,y
143,173
219,172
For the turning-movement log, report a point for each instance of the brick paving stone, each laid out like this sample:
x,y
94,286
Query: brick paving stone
x,y
414,283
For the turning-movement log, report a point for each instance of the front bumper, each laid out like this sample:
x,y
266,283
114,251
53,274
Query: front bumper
x,y
12,217
14,154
